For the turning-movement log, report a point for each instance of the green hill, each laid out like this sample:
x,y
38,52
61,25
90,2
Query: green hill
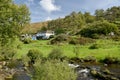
x,y
34,27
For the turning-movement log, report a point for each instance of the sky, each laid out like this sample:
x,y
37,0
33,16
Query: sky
x,y
44,10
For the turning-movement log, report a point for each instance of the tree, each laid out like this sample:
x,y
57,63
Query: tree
x,y
89,18
13,18
99,28
113,14
99,14
70,24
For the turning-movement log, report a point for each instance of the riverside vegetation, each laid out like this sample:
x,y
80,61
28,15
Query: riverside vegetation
x,y
85,46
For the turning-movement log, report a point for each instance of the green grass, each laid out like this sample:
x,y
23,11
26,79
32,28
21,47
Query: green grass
x,y
106,48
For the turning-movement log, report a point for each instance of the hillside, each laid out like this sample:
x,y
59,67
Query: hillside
x,y
34,27
76,21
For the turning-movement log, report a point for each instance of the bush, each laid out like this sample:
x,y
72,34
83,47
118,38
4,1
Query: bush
x,y
116,38
27,41
55,54
81,41
52,36
74,42
9,53
54,70
111,60
15,63
1,58
90,59
94,46
84,41
33,54
95,36
59,39
59,31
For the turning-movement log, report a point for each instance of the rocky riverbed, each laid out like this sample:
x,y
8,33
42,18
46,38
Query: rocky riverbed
x,y
85,70
91,71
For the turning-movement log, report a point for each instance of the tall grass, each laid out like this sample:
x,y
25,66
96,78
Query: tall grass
x,y
54,70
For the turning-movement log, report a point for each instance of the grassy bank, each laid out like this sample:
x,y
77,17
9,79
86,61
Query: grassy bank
x,y
105,48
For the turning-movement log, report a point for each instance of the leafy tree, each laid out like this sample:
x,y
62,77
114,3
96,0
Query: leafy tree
x,y
13,18
88,17
99,13
100,28
43,28
59,31
112,14
74,22
71,23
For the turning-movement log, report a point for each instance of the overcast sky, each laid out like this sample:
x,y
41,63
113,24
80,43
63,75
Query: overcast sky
x,y
42,10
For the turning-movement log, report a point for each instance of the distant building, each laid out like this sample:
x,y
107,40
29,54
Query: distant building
x,y
34,37
45,34
25,36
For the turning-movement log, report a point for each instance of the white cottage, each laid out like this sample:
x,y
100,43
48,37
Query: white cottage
x,y
45,34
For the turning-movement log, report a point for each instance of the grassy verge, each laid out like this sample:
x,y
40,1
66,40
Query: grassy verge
x,y
106,48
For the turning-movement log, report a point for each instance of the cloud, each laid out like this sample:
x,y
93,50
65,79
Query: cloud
x,y
48,19
49,5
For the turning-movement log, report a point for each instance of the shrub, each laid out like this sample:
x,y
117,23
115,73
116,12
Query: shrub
x,y
1,58
52,36
15,63
55,54
75,60
33,54
111,60
90,59
74,42
94,46
116,38
84,41
59,39
54,70
9,53
95,36
19,46
59,31
27,41
81,41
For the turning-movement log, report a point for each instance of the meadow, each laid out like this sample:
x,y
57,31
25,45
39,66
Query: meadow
x,y
105,48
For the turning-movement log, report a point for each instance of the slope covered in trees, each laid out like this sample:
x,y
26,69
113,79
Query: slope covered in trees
x,y
75,22
71,23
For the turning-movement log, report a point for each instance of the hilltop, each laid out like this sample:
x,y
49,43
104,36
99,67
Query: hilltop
x,y
34,27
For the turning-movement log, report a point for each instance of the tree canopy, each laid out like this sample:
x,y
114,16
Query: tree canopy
x,y
13,18
76,21
99,28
